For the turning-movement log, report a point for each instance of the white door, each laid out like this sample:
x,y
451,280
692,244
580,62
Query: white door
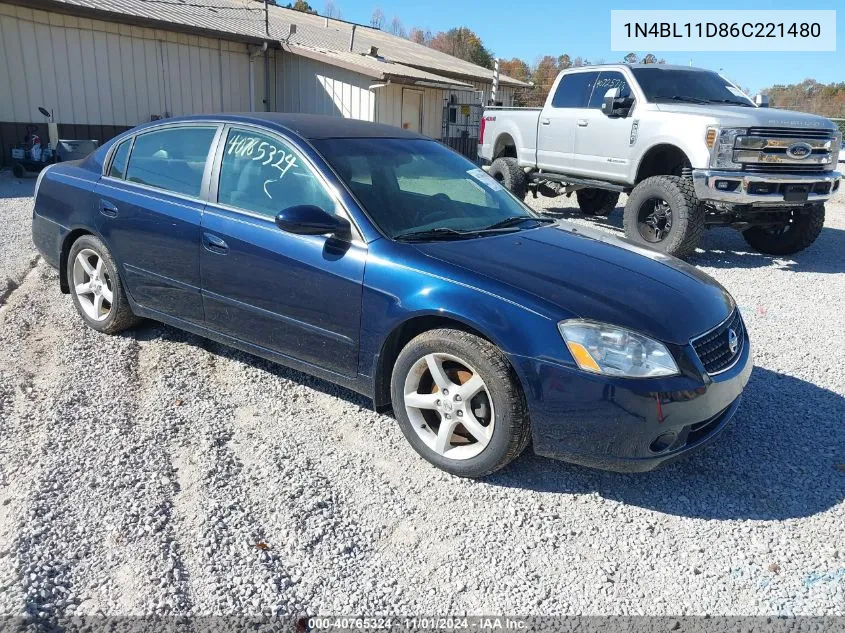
x,y
556,129
412,101
603,144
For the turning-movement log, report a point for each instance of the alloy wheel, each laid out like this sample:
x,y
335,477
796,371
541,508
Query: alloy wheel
x,y
92,285
654,220
449,406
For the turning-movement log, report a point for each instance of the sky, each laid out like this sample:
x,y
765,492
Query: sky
x,y
530,29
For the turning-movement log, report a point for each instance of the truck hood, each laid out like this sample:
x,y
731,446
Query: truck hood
x,y
582,272
738,116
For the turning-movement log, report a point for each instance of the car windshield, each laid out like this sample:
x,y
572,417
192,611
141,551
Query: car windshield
x,y
691,86
419,189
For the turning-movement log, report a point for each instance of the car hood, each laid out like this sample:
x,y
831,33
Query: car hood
x,y
739,116
582,272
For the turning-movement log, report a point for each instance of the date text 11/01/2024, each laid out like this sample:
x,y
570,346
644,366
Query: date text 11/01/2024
x,y
722,29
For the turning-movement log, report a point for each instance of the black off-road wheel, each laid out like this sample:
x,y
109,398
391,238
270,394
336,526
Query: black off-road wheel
x,y
597,201
664,214
800,229
508,172
96,288
459,402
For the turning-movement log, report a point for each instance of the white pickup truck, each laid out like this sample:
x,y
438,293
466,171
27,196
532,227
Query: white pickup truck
x,y
689,148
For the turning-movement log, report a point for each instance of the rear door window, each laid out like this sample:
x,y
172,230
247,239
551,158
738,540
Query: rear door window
x,y
264,175
172,159
574,90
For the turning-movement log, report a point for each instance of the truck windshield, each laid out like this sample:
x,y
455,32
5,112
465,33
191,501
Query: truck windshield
x,y
692,86
419,189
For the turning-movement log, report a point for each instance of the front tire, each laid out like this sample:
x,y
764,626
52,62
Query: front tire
x,y
801,229
96,288
597,201
508,172
459,403
664,214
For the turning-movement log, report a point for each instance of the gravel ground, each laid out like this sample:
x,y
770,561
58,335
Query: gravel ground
x,y
156,472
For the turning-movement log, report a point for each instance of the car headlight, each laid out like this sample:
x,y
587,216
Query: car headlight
x,y
720,142
614,351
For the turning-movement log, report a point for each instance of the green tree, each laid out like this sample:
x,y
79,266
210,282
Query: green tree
x,y
461,42
303,6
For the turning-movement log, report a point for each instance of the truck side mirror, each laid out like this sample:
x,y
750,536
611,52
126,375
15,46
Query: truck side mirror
x,y
762,100
614,105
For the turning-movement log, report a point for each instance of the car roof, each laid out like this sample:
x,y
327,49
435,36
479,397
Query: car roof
x,y
307,126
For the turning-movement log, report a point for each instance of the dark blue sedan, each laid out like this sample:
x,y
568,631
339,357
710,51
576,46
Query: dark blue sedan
x,y
382,261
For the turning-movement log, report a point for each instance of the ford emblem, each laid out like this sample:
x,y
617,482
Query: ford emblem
x,y
733,341
799,151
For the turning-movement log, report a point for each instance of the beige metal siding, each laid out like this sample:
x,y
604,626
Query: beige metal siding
x,y
389,107
309,86
92,72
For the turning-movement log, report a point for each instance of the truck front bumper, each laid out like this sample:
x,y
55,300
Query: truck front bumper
x,y
765,190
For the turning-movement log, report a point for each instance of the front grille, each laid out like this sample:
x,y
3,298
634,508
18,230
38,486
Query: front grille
x,y
785,168
713,348
790,132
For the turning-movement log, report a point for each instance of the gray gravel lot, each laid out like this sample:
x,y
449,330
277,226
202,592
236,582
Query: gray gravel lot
x,y
156,472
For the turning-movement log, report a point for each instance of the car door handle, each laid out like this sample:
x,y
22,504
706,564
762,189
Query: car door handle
x,y
214,244
583,122
545,121
108,209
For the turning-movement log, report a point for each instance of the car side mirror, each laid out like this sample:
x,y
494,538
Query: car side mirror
x,y
762,100
615,105
308,219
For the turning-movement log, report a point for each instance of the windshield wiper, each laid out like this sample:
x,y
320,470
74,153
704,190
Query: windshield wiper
x,y
438,233
687,99
516,219
732,102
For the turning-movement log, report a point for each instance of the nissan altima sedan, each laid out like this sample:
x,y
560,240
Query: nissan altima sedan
x,y
380,260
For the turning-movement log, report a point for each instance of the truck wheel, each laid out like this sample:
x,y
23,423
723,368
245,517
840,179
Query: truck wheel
x,y
663,214
508,172
799,231
597,201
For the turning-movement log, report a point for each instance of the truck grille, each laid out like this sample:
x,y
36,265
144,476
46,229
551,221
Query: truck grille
x,y
713,348
788,132
789,168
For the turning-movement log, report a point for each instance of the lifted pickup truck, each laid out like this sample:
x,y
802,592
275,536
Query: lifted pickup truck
x,y
689,148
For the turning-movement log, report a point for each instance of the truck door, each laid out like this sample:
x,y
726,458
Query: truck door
x,y
603,144
558,120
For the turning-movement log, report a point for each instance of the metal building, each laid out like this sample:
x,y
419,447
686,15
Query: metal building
x,y
102,66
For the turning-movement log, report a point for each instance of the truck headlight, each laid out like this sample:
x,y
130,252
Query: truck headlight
x,y
720,142
614,351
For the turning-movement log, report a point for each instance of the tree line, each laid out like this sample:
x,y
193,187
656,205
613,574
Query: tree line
x,y
810,96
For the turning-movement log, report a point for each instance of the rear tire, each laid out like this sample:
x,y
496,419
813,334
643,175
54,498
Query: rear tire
x,y
472,390
508,172
801,230
663,214
96,287
597,201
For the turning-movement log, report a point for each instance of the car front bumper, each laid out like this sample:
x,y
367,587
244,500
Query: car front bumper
x,y
617,423
761,189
